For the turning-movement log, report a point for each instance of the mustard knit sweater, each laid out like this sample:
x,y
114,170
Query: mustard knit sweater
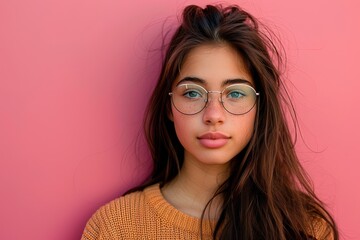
x,y
143,215
147,215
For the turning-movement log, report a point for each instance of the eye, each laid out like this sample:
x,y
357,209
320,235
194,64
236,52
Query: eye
x,y
235,94
193,94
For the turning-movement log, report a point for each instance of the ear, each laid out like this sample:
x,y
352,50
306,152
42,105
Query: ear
x,y
170,115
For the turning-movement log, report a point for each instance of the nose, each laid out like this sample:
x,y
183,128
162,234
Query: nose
x,y
214,112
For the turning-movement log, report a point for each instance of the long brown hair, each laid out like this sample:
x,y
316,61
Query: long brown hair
x,y
268,194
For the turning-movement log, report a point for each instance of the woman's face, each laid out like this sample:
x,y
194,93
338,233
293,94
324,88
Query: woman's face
x,y
213,136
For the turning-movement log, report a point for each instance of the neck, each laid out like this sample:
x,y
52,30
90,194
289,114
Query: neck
x,y
194,187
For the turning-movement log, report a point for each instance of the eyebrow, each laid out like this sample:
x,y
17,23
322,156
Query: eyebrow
x,y
223,84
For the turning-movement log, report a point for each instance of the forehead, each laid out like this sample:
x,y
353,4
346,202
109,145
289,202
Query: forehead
x,y
215,64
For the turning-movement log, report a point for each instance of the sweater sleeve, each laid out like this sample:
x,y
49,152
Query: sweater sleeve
x,y
99,225
92,228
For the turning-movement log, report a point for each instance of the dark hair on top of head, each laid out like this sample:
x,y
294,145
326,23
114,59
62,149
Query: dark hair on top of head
x,y
268,194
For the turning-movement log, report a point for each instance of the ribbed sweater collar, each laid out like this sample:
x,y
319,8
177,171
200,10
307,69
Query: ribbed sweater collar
x,y
173,216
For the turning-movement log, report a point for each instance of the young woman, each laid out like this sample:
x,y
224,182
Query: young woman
x,y
224,161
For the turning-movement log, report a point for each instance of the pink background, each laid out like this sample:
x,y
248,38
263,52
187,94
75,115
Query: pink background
x,y
74,80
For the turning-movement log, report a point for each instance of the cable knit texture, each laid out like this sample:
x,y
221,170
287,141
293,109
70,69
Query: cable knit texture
x,y
143,215
147,215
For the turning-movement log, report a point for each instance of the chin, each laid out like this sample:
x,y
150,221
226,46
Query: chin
x,y
214,160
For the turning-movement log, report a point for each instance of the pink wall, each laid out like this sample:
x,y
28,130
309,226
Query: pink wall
x,y
74,80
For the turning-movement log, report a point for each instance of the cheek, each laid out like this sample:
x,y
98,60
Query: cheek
x,y
185,126
245,125
180,123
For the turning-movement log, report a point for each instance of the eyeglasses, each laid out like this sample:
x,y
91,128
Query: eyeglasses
x,y
191,99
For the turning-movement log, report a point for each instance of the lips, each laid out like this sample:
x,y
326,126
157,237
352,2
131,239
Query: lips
x,y
213,139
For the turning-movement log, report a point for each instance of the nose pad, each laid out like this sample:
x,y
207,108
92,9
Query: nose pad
x,y
210,99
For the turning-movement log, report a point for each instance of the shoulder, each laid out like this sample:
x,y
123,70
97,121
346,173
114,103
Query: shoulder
x,y
117,216
320,223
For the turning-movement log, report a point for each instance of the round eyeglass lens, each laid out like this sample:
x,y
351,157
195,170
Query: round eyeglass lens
x,y
238,98
189,98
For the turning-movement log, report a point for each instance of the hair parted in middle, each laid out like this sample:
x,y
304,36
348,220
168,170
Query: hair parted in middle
x,y
267,194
